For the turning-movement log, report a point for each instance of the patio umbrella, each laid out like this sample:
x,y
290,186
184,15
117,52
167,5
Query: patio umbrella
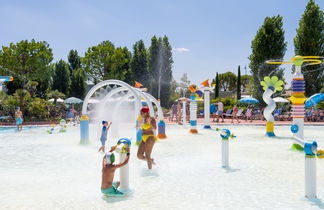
x,y
249,100
73,100
59,100
280,100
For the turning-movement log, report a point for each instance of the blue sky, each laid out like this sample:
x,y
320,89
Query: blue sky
x,y
207,36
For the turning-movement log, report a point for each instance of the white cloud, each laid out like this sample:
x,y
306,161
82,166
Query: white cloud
x,y
181,49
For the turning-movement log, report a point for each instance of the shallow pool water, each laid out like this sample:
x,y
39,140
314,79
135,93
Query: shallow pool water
x,y
43,171
13,129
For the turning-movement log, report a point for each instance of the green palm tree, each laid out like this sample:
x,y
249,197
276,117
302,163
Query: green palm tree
x,y
55,94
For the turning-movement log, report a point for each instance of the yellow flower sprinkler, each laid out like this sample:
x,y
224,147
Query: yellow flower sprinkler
x,y
270,86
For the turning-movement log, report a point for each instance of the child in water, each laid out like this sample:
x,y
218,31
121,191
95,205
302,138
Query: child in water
x,y
108,186
104,133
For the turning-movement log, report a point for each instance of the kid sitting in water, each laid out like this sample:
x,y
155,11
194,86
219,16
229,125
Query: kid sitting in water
x,y
104,132
108,187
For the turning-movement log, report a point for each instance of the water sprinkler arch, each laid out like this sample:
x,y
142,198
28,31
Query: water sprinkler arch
x,y
107,83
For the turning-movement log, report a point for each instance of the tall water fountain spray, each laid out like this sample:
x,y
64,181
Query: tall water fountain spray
x,y
270,85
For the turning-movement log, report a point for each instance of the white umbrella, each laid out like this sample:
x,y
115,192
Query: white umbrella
x,y
93,101
280,100
73,100
59,100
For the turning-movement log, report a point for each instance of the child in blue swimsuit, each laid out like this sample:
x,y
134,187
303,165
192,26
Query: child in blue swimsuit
x,y
104,133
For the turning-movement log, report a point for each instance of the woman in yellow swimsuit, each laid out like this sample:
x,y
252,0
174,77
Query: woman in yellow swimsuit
x,y
148,126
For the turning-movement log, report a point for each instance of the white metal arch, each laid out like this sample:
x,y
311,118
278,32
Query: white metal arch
x,y
111,82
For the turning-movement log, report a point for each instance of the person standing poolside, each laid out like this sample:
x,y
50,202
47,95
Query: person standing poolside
x,y
248,114
108,186
220,111
173,111
234,115
213,111
148,137
104,133
19,118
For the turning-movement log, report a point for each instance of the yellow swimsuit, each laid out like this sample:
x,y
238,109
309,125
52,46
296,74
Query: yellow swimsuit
x,y
146,126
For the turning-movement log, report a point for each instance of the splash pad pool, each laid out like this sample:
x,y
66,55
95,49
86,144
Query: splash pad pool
x,y
40,171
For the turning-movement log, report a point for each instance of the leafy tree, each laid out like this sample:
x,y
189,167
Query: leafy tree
x,y
61,77
184,83
227,81
26,61
246,81
238,83
98,61
104,61
268,44
56,95
120,65
309,41
78,85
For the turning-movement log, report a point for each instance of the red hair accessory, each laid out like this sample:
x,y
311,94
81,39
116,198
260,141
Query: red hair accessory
x,y
145,110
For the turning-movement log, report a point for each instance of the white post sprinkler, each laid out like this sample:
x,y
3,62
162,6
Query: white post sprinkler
x,y
206,104
184,112
311,152
225,134
121,146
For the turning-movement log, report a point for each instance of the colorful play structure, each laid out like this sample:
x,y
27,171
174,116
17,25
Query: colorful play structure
x,y
117,92
270,86
5,79
196,95
61,128
120,148
298,113
225,134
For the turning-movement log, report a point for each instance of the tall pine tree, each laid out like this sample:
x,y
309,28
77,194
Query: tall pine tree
x,y
154,65
310,41
61,77
139,64
77,75
268,44
160,68
74,61
166,72
217,86
238,83
78,85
